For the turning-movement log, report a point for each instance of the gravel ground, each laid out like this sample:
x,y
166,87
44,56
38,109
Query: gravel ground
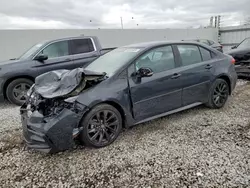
x,y
195,148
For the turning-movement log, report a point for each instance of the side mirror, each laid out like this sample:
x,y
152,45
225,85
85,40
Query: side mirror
x,y
233,47
144,72
41,57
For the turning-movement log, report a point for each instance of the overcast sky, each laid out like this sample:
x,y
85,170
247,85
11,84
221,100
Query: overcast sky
x,y
55,14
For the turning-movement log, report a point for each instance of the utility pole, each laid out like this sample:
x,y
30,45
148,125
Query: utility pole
x,y
215,21
121,23
219,34
211,21
219,21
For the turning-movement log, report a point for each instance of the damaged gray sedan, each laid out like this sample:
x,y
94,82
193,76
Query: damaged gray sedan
x,y
127,86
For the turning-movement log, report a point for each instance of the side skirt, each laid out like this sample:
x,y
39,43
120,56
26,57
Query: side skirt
x,y
169,112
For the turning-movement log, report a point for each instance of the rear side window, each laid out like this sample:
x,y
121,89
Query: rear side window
x,y
206,54
190,54
80,46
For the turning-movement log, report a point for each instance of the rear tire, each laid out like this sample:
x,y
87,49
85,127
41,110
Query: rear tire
x,y
17,89
101,126
218,94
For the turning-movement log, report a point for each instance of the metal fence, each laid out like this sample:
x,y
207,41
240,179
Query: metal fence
x,y
231,36
14,42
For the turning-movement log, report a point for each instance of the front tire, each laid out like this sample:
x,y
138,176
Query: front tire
x,y
17,89
218,94
101,126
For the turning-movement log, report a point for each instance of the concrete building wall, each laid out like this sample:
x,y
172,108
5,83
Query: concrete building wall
x,y
14,42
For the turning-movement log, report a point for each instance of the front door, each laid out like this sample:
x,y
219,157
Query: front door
x,y
58,57
159,93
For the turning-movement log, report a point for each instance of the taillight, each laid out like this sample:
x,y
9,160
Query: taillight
x,y
233,61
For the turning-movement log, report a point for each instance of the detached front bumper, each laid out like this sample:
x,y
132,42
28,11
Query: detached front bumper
x,y
50,134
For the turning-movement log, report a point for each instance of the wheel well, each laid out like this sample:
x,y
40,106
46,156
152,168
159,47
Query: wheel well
x,y
119,108
14,78
226,78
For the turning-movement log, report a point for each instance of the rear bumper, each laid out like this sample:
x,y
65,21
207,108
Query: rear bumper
x,y
49,134
234,78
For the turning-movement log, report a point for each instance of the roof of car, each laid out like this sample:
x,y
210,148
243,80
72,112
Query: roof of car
x,y
157,43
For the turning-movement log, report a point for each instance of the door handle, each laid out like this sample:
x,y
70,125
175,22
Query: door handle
x,y
68,59
208,66
175,76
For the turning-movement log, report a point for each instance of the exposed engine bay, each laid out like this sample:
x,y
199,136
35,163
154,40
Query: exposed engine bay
x,y
51,115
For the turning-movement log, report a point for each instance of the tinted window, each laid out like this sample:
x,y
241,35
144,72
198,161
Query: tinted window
x,y
159,59
190,54
204,41
57,49
80,46
206,55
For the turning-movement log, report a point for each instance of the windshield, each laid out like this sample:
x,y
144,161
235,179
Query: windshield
x,y
245,44
112,61
31,51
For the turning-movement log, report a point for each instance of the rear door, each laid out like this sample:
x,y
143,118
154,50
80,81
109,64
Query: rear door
x,y
84,51
196,72
159,93
58,57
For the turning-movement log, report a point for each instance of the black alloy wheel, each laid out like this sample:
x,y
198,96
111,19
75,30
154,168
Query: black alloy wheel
x,y
218,94
101,125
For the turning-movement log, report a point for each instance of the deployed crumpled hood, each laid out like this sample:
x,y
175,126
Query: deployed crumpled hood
x,y
60,83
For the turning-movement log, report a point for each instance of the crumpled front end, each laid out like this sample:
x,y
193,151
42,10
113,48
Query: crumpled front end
x,y
51,131
51,124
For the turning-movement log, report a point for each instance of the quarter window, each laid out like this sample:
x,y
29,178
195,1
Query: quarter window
x,y
158,59
190,54
57,49
206,55
80,46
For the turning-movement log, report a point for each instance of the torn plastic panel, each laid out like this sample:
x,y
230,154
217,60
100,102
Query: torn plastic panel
x,y
51,115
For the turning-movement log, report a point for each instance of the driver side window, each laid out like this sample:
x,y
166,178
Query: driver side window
x,y
57,49
158,60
